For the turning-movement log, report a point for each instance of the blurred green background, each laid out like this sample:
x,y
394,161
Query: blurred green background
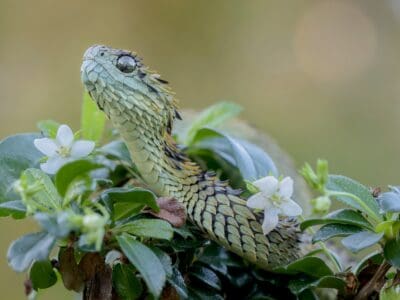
x,y
322,77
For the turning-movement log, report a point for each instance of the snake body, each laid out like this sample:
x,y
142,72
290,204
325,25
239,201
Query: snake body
x,y
142,108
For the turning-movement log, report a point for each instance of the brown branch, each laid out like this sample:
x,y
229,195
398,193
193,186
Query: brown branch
x,y
375,284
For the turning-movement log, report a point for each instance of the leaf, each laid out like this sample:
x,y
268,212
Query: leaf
x,y
165,260
29,248
48,128
177,281
16,209
42,275
126,283
17,153
361,240
117,149
213,116
342,216
297,286
72,276
127,202
149,228
92,119
251,160
390,201
341,183
310,265
38,191
58,225
71,171
329,231
391,252
171,210
206,276
375,257
145,261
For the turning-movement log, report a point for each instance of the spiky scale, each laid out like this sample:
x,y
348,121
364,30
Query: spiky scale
x,y
142,108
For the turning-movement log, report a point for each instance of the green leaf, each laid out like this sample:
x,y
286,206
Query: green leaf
x,y
48,128
343,216
145,261
125,282
361,240
149,228
251,160
391,252
117,149
177,281
38,192
344,184
69,172
128,202
310,265
16,209
297,286
42,275
206,276
212,117
59,225
29,248
329,231
17,153
375,257
390,291
165,260
93,120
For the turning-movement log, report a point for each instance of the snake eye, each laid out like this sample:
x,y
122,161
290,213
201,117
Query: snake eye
x,y
126,64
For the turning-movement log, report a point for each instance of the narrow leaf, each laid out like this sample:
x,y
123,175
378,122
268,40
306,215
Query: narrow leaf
x,y
16,209
329,231
93,120
48,128
344,184
29,248
126,283
361,240
71,171
149,228
212,117
17,153
145,261
392,253
342,216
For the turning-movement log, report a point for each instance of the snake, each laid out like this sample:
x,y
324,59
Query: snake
x,y
142,108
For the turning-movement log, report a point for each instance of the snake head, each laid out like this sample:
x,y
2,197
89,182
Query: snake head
x,y
124,88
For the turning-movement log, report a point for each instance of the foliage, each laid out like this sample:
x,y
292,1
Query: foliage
x,y
107,225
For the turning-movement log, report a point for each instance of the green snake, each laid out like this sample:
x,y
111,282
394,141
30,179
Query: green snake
x,y
142,107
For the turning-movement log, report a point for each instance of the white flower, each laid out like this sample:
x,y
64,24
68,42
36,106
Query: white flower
x,y
275,199
62,149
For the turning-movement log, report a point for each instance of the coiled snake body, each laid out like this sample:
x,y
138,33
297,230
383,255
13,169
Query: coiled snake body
x,y
142,108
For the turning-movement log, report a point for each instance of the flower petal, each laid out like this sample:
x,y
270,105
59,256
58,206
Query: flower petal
x,y
53,164
65,136
47,146
290,208
82,148
270,220
267,185
286,187
257,201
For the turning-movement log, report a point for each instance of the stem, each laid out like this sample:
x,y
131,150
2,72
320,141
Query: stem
x,y
326,251
376,282
366,208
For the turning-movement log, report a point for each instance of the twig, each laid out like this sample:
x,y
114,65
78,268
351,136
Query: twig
x,y
375,284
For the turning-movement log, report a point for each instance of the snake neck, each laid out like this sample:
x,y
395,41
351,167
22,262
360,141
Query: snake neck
x,y
158,159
